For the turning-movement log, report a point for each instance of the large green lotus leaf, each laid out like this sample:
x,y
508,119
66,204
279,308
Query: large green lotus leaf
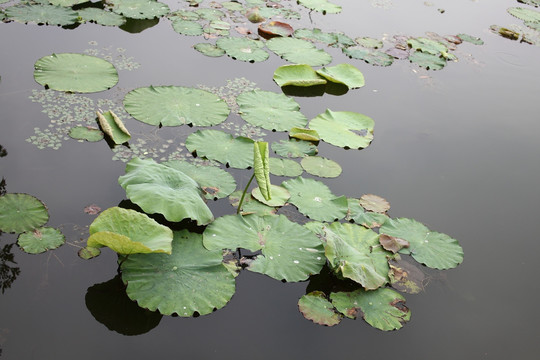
x,y
427,46
359,215
297,75
371,56
320,166
42,14
209,49
285,167
354,251
215,182
433,249
210,14
139,9
270,110
128,231
345,74
323,6
383,308
243,49
21,212
289,251
427,61
113,127
100,16
279,196
250,205
344,128
161,189
315,307
315,200
75,73
86,133
316,35
190,280
40,240
369,42
298,51
223,147
175,105
294,148
525,14
187,27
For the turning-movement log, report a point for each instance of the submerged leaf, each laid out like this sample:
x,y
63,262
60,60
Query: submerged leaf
x,y
21,212
315,307
406,277
40,240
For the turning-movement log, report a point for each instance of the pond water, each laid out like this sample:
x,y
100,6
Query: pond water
x,y
456,149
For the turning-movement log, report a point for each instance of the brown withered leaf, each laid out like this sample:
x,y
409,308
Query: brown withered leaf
x,y
406,277
392,243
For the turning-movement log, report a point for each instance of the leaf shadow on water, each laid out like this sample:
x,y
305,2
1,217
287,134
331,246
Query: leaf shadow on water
x,y
134,26
315,90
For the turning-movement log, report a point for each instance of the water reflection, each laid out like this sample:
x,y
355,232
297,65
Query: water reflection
x,y
316,90
8,272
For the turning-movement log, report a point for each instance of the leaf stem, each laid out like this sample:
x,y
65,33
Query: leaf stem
x,y
244,194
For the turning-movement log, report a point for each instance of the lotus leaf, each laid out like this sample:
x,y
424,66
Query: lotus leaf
x,y
275,28
535,3
209,49
215,182
428,46
323,6
261,167
250,205
344,128
315,200
128,231
345,74
294,148
88,253
232,6
161,189
139,9
280,196
471,39
316,35
223,147
535,25
40,240
269,110
315,307
433,249
374,203
369,42
525,14
113,127
285,167
243,49
210,14
365,218
86,133
175,105
184,15
289,251
100,16
304,134
383,308
297,75
75,73
392,243
354,251
427,61
344,40
371,56
187,27
320,166
42,14
254,15
190,280
21,212
298,51
406,277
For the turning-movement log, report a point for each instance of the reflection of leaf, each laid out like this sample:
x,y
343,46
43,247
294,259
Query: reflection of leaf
x,y
113,127
21,212
315,307
261,167
40,240
8,273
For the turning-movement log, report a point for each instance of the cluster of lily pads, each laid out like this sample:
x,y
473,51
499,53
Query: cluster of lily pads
x,y
530,32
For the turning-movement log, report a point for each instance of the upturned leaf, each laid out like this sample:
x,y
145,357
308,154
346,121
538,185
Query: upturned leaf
x,y
261,167
113,127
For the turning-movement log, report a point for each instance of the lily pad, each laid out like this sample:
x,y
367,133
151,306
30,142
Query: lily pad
x,y
374,203
250,205
175,105
243,49
40,240
261,168
190,280
209,49
290,252
101,17
113,127
42,14
354,251
525,14
139,9
320,166
280,196
323,6
345,74
161,189
315,307
315,200
269,110
86,133
285,167
210,14
383,308
75,73
433,249
427,61
371,56
316,35
369,42
298,51
223,147
128,232
304,134
406,277
297,75
471,39
344,128
365,218
187,27
21,212
428,46
294,148
275,28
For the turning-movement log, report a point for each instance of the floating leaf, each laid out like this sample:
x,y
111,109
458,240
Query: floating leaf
x,y
139,9
86,133
223,147
175,105
315,307
433,249
304,134
209,49
290,252
316,35
254,15
250,205
369,42
320,166
280,196
128,231
21,212
161,189
427,61
374,203
113,127
285,167
269,110
40,240
365,218
345,74
406,277
315,200
210,14
190,280
428,46
344,128
525,14
42,14
297,75
371,56
294,148
88,253
187,27
323,6
75,73
298,51
354,251
471,39
275,28
392,243
243,49
100,16
383,308
261,167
